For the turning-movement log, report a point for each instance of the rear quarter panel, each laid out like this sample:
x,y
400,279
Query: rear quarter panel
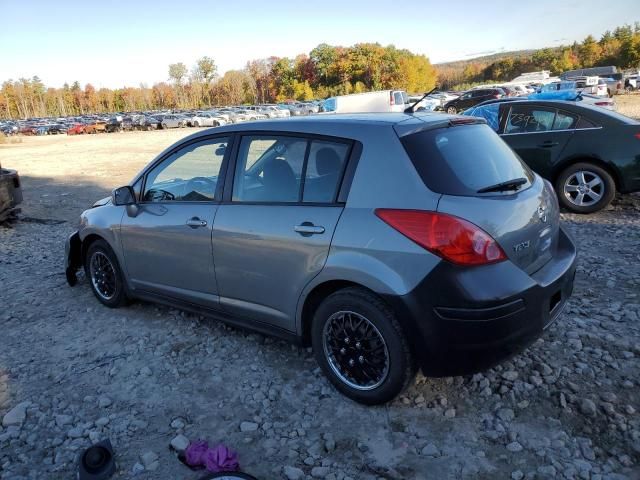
x,y
614,147
364,249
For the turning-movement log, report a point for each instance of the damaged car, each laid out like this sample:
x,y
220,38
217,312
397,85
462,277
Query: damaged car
x,y
389,243
10,193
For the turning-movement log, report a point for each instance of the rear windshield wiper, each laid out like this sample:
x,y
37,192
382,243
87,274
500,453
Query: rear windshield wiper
x,y
514,184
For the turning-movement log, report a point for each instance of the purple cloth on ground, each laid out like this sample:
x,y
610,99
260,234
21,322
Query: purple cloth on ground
x,y
221,459
194,453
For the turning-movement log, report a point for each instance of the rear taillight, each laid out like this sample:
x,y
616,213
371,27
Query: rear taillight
x,y
449,237
391,99
604,104
497,96
637,135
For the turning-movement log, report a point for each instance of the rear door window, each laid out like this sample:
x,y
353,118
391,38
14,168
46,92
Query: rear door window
x,y
289,169
461,160
564,121
324,170
526,119
585,123
397,98
269,169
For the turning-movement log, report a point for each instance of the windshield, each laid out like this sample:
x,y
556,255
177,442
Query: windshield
x,y
461,160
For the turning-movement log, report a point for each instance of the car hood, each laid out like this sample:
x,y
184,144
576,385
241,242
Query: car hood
x,y
101,202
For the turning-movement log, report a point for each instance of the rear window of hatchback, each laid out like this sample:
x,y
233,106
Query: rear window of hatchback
x,y
462,159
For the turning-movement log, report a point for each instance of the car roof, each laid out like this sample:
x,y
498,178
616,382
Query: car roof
x,y
572,106
352,125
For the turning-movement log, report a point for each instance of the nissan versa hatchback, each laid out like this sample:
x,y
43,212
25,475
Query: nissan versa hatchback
x,y
387,242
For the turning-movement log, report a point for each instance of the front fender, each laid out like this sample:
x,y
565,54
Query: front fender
x,y
73,256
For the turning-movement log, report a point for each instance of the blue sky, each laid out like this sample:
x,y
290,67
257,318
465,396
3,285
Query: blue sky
x,y
117,43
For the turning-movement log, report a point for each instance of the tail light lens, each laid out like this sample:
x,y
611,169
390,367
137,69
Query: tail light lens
x,y
391,99
637,135
449,237
604,104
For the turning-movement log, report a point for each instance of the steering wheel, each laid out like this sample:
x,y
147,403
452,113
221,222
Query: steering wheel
x,y
195,182
157,195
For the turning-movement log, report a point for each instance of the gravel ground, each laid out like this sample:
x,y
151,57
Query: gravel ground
x,y
629,104
73,372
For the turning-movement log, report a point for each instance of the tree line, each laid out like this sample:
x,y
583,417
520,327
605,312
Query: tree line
x,y
620,47
327,70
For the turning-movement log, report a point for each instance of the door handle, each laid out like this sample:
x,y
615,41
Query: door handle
x,y
195,222
548,144
308,228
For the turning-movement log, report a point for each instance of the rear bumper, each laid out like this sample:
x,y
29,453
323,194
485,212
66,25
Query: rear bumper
x,y
464,320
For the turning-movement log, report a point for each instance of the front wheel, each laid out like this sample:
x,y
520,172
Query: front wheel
x,y
585,188
452,110
104,274
360,346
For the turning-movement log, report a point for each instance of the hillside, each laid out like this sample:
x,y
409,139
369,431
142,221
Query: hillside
x,y
485,59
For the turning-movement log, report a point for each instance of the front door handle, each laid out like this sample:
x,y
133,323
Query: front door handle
x,y
308,228
548,144
195,222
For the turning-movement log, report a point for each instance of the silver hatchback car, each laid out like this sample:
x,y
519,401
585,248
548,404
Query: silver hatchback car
x,y
388,242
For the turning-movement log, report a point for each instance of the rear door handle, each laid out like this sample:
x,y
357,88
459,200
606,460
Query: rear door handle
x,y
195,222
548,144
308,228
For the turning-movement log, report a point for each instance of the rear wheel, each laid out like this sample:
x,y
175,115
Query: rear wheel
x,y
104,274
164,126
452,110
361,347
585,188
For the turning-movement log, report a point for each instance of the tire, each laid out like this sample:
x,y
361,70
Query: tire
x,y
196,124
585,188
452,110
111,291
164,126
352,305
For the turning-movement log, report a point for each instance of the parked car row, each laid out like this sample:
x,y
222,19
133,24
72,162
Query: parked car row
x,y
151,120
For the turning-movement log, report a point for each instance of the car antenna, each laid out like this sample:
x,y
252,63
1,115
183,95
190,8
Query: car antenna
x,y
410,109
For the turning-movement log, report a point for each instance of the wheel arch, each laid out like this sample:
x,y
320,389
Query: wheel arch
x,y
86,243
314,298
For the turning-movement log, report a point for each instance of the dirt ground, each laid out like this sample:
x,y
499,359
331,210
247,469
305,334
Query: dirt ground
x,y
629,104
73,372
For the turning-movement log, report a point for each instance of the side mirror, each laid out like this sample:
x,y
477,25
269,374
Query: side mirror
x,y
123,196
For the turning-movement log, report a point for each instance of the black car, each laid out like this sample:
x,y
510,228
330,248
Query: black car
x,y
114,124
472,98
587,152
